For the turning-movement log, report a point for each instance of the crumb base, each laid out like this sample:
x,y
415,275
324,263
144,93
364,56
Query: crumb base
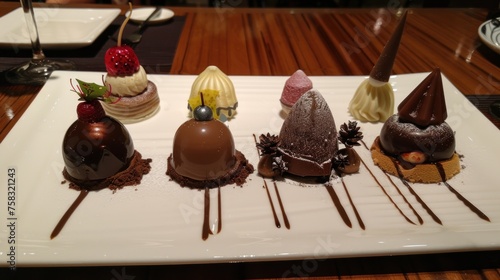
x,y
128,177
420,173
237,175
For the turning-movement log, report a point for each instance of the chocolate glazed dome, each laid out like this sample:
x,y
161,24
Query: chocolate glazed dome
x,y
203,150
96,150
308,137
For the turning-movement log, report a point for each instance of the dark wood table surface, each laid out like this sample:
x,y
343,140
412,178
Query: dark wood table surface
x,y
246,41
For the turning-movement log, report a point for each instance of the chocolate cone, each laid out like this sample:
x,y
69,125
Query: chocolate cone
x,y
425,105
382,69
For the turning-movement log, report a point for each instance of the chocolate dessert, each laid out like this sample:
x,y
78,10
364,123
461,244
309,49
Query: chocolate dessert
x,y
98,151
222,97
307,141
294,88
204,154
373,100
417,143
137,97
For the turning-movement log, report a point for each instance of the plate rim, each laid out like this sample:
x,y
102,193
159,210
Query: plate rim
x,y
169,14
485,38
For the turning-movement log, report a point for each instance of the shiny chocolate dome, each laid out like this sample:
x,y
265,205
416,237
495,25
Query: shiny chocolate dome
x,y
96,150
203,150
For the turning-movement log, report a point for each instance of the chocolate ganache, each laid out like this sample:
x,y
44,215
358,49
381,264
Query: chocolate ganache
x,y
420,124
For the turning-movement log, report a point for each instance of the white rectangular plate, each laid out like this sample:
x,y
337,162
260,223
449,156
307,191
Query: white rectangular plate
x,y
159,222
58,28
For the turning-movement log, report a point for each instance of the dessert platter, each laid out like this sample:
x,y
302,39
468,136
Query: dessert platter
x,y
58,28
365,212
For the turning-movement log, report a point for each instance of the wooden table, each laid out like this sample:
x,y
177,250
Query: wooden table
x,y
246,41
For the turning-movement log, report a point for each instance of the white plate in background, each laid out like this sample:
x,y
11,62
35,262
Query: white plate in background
x,y
58,28
490,34
141,14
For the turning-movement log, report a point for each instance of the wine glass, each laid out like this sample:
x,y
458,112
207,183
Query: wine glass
x,y
38,69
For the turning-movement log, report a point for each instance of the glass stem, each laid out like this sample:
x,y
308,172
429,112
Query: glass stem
x,y
29,15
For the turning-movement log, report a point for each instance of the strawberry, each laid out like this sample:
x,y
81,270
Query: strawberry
x,y
121,61
90,111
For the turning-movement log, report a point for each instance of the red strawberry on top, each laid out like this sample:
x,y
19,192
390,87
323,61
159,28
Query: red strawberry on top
x,y
121,61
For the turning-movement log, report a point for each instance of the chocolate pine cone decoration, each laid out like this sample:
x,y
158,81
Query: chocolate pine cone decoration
x,y
268,144
271,164
340,161
349,134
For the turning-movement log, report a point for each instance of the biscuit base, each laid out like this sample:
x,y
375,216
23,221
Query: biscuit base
x,y
420,173
132,109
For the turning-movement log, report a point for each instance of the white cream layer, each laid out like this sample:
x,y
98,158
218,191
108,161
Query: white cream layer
x,y
128,85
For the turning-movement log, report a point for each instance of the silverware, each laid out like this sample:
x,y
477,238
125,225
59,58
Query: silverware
x,y
136,36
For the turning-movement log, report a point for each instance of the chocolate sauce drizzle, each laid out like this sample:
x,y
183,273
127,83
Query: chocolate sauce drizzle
x,y
441,171
206,231
417,197
280,203
388,196
358,217
338,205
467,203
206,216
69,212
282,208
275,216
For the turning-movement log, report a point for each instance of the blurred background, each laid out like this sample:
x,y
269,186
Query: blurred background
x,y
489,4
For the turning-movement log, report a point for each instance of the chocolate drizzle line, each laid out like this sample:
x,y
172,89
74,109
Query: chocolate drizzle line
x,y
206,226
420,220
467,203
285,217
424,205
358,217
338,205
219,209
282,208
69,212
275,216
206,231
386,194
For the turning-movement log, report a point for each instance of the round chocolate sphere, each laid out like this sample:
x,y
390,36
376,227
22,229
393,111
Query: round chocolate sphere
x,y
96,151
203,150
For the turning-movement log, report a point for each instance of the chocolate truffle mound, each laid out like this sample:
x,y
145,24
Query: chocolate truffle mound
x,y
308,137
